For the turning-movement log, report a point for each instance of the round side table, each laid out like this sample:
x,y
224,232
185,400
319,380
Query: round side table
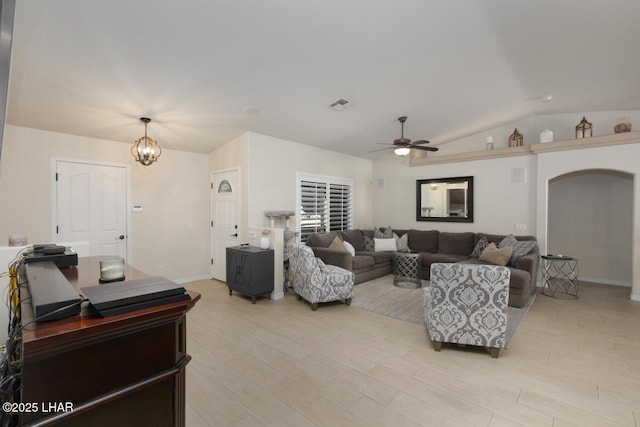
x,y
560,277
405,269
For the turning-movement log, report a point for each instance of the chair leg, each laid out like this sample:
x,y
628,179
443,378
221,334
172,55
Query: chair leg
x,y
314,306
437,345
495,352
347,301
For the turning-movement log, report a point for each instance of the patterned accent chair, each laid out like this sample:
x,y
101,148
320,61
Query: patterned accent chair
x,y
316,281
467,304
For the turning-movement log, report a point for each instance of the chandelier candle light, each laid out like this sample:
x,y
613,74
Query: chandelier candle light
x,y
145,150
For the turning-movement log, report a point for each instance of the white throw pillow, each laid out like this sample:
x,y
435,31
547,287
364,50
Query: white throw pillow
x,y
349,247
382,245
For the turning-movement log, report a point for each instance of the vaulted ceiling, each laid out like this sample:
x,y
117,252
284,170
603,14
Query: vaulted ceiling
x,y
206,71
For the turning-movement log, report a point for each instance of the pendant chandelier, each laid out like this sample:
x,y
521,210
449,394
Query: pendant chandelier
x,y
145,150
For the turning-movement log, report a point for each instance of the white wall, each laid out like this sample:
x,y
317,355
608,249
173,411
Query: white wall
x,y
499,204
173,230
273,164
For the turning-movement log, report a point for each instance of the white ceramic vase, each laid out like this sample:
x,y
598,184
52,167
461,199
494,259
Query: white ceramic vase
x,y
264,243
546,136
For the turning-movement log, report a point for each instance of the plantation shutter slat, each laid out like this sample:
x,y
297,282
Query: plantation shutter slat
x,y
324,206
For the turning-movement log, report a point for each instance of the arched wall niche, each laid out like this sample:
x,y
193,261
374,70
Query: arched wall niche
x,y
590,217
621,160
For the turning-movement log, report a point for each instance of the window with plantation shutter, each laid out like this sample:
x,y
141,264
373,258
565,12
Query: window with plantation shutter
x,y
325,203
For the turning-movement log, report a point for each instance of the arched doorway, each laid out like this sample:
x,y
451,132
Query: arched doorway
x,y
590,217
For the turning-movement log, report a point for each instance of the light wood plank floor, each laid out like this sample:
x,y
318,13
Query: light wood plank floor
x,y
277,363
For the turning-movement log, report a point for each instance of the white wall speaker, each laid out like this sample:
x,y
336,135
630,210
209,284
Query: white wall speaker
x,y
519,175
380,183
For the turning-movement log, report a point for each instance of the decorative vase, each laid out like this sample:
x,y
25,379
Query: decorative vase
x,y
623,125
546,136
264,243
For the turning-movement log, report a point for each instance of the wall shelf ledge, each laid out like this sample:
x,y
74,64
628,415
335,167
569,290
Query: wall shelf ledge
x,y
565,145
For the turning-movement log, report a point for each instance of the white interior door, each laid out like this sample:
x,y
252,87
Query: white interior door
x,y
225,219
91,205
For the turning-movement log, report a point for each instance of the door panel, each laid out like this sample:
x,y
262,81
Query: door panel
x,y
225,221
91,205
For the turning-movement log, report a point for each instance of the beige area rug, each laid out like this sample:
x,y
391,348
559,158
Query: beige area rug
x,y
380,296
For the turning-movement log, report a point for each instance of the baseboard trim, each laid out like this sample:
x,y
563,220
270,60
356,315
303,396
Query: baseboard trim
x,y
604,281
635,297
277,295
192,279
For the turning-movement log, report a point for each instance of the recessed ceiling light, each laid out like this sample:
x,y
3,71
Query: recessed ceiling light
x,y
547,98
251,110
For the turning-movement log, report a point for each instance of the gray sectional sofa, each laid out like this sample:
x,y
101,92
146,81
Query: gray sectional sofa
x,y
434,246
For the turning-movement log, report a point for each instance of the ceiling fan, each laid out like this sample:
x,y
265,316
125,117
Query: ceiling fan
x,y
403,146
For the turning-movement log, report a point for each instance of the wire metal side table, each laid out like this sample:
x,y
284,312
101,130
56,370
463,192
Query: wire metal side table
x,y
405,269
560,277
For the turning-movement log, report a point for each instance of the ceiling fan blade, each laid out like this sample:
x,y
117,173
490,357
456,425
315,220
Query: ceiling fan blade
x,y
417,147
380,149
422,141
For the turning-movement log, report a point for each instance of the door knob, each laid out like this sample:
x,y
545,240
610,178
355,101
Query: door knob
x,y
121,237
234,235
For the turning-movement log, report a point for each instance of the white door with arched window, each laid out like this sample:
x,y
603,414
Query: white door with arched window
x,y
225,218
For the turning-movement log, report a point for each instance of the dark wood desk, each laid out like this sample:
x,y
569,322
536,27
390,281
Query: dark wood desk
x,y
124,370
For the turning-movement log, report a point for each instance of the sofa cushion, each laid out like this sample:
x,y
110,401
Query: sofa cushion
x,y
321,240
456,243
429,258
423,241
363,261
355,238
378,257
496,256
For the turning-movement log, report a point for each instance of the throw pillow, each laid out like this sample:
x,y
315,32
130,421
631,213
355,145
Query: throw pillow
x,y
510,240
385,245
402,243
496,256
518,248
369,245
337,245
387,233
480,247
349,247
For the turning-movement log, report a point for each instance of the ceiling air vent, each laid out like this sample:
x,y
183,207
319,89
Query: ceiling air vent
x,y
340,104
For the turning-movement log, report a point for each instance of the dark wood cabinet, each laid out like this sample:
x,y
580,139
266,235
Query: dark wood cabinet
x,y
250,271
124,370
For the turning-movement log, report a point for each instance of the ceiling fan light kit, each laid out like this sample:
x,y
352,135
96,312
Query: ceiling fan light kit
x,y
145,150
401,151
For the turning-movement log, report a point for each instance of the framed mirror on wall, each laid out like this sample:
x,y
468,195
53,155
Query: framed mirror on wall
x,y
445,199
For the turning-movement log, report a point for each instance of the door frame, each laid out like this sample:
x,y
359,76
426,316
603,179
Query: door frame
x,y
239,195
54,197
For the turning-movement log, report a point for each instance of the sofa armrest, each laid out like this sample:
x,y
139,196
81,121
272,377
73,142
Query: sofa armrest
x,y
334,257
529,263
